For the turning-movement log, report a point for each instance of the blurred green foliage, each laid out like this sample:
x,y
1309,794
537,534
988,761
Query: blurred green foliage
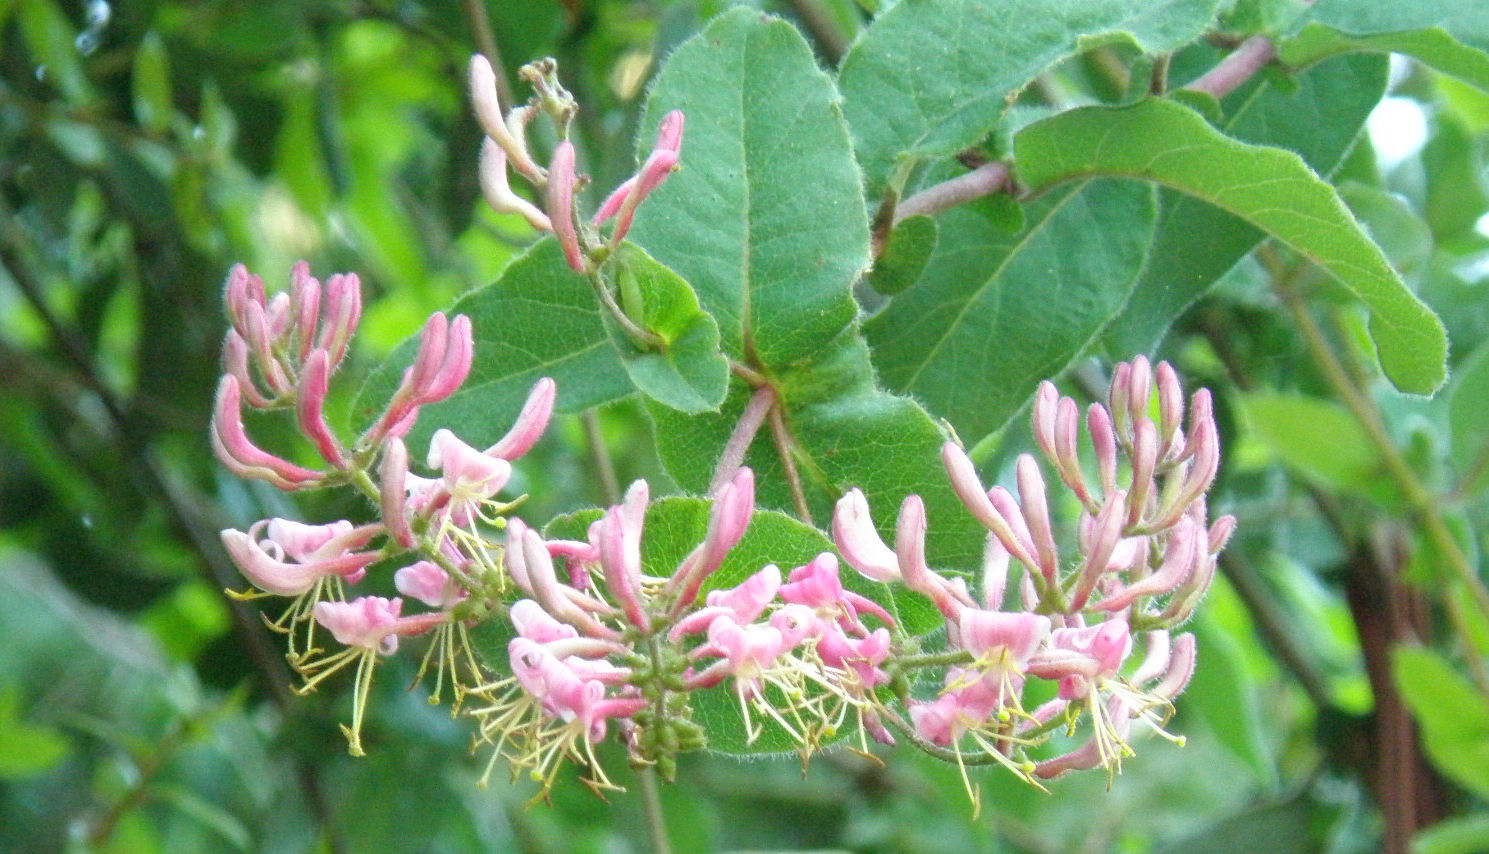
x,y
145,147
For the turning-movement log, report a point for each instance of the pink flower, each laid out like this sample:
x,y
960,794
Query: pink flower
x,y
293,557
470,477
370,622
429,584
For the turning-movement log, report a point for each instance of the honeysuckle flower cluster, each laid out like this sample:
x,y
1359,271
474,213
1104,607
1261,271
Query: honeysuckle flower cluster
x,y
505,146
603,644
1145,554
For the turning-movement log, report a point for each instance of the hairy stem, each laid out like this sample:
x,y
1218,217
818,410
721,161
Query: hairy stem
x,y
1236,68
985,180
761,402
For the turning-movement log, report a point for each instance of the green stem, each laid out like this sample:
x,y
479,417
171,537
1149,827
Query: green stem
x,y
1419,499
656,823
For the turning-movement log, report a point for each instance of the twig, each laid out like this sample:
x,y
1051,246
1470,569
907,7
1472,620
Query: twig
x,y
823,29
983,181
1236,68
732,457
480,27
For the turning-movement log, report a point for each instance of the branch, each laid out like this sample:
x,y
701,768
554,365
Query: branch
x,y
1237,68
985,180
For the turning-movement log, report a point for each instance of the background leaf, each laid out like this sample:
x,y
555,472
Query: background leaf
x,y
1272,189
1317,437
931,77
1452,715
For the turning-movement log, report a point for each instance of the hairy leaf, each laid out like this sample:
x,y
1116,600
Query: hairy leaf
x,y
995,313
765,219
1272,189
1317,115
1451,36
687,372
931,77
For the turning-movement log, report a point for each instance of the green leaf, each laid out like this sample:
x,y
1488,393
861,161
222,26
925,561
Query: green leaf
x,y
151,84
1316,437
1451,36
883,444
539,319
1452,715
1468,420
27,749
1464,834
931,77
688,373
765,219
910,245
1318,114
995,313
1273,190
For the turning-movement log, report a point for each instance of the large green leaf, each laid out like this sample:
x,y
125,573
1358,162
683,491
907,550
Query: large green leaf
x,y
538,319
686,372
1452,715
931,77
995,313
1272,189
1318,115
766,218
1451,36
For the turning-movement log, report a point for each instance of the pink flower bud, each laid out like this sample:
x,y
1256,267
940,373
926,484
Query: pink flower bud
x,y
489,114
1046,401
235,364
1140,390
1185,551
305,306
1106,533
393,495
530,423
727,520
1144,464
910,550
561,204
620,559
240,455
1180,668
860,545
1035,506
315,383
968,488
1170,410
342,311
1104,440
493,177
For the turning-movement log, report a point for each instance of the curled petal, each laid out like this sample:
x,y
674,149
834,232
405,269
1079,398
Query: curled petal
x,y
561,204
530,423
854,535
498,193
